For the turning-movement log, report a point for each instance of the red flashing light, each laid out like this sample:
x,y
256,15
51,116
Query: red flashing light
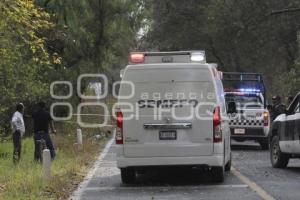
x,y
137,58
235,92
229,90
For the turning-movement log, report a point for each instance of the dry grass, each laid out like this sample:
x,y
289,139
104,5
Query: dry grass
x,y
24,181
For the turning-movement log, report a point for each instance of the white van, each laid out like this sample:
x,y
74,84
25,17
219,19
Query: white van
x,y
171,112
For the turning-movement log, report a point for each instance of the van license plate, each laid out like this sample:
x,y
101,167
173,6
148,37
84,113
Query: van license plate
x,y
167,135
239,131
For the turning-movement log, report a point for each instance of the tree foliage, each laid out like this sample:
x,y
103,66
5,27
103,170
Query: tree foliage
x,y
24,58
242,36
95,35
46,40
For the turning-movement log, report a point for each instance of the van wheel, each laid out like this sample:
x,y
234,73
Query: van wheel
x,y
127,175
218,174
228,165
278,158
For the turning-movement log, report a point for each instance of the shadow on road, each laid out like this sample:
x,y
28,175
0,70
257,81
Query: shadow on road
x,y
245,147
295,169
174,177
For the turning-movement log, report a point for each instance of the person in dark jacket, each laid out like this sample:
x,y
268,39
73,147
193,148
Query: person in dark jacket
x,y
41,122
277,108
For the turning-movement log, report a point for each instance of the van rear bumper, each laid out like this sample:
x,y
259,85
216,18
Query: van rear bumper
x,y
213,160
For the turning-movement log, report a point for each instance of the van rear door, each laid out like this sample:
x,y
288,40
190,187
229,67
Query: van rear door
x,y
173,111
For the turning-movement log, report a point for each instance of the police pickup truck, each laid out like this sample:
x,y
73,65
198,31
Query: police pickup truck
x,y
285,135
171,112
245,97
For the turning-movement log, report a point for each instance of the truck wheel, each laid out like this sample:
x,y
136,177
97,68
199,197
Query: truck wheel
x,y
264,145
228,165
218,174
278,158
127,175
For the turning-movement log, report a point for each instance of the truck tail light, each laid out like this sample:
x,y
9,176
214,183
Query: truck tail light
x,y
217,125
119,130
136,58
266,118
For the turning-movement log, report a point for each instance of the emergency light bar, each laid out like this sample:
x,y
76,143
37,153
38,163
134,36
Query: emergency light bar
x,y
242,94
167,57
198,56
137,58
244,83
249,90
244,90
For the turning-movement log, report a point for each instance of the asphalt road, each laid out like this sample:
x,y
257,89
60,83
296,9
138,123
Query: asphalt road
x,y
252,177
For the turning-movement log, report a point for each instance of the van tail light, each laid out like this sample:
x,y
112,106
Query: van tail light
x,y
217,125
136,58
266,118
119,130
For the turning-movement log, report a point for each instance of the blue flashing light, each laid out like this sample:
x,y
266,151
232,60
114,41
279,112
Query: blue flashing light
x,y
250,90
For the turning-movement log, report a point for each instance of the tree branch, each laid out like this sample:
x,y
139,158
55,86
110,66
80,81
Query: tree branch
x,y
290,10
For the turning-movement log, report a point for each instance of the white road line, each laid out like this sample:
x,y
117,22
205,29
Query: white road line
x,y
83,185
253,186
167,187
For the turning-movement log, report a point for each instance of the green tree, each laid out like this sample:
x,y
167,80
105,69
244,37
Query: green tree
x,y
244,36
25,61
93,36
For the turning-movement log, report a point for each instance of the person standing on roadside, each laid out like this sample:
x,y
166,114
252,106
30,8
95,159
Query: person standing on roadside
x,y
41,122
277,108
18,127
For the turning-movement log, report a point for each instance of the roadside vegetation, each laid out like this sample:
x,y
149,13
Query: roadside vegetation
x,y
52,40
242,36
25,181
42,41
